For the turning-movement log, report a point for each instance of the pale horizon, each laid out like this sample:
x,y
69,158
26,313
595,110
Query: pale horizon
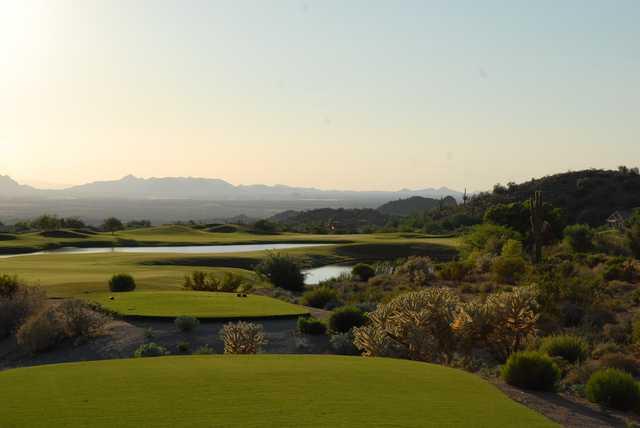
x,y
332,95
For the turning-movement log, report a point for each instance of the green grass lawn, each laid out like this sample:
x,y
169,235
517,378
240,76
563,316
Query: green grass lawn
x,y
254,391
198,304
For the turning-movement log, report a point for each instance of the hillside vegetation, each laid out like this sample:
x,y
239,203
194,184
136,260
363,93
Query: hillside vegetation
x,y
587,196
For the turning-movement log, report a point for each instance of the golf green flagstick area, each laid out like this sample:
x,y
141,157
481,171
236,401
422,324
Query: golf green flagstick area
x,y
199,304
255,391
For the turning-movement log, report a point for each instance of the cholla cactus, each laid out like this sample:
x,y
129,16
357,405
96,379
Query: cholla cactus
x,y
418,325
242,338
514,319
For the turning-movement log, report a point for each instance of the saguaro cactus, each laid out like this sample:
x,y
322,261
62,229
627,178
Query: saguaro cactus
x,y
537,221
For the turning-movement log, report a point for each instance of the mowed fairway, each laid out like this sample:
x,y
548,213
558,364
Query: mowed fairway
x,y
254,391
66,275
198,304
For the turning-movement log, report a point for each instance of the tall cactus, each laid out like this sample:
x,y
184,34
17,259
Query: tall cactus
x,y
537,221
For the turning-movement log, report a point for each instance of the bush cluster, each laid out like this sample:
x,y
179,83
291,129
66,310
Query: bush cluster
x,y
122,282
310,325
208,281
342,344
186,323
345,318
71,319
320,297
531,370
363,272
282,270
572,349
508,269
17,303
150,350
613,388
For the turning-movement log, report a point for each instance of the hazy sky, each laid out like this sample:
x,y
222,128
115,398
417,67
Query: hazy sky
x,y
326,93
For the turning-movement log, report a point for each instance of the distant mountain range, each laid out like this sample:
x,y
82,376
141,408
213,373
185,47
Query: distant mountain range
x,y
170,199
131,187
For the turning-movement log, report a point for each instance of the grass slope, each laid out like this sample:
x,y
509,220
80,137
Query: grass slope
x,y
198,304
254,391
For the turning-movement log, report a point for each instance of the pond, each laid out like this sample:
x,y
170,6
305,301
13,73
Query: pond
x,y
185,249
317,275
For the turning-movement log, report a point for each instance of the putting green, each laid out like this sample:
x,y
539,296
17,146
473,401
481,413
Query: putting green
x,y
198,304
254,391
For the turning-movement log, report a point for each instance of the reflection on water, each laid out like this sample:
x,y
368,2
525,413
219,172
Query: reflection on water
x,y
317,275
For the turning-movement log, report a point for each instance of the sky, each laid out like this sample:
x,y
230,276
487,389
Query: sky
x,y
333,94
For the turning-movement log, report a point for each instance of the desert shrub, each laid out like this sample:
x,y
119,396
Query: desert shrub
x,y
579,237
571,314
507,269
571,348
602,349
80,319
621,270
310,325
632,240
480,261
204,350
453,271
186,323
183,347
282,270
122,282
345,318
320,297
150,350
614,389
417,270
41,331
619,333
580,374
230,282
620,361
201,281
9,285
18,306
363,272
531,370
242,338
342,344
512,248
417,325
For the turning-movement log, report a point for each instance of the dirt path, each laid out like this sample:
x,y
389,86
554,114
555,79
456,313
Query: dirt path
x,y
567,410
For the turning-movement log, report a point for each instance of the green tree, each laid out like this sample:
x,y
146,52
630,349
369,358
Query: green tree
x,y
47,222
579,237
112,224
282,270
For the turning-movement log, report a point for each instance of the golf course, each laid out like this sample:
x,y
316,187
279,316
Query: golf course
x,y
159,275
202,305
255,391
